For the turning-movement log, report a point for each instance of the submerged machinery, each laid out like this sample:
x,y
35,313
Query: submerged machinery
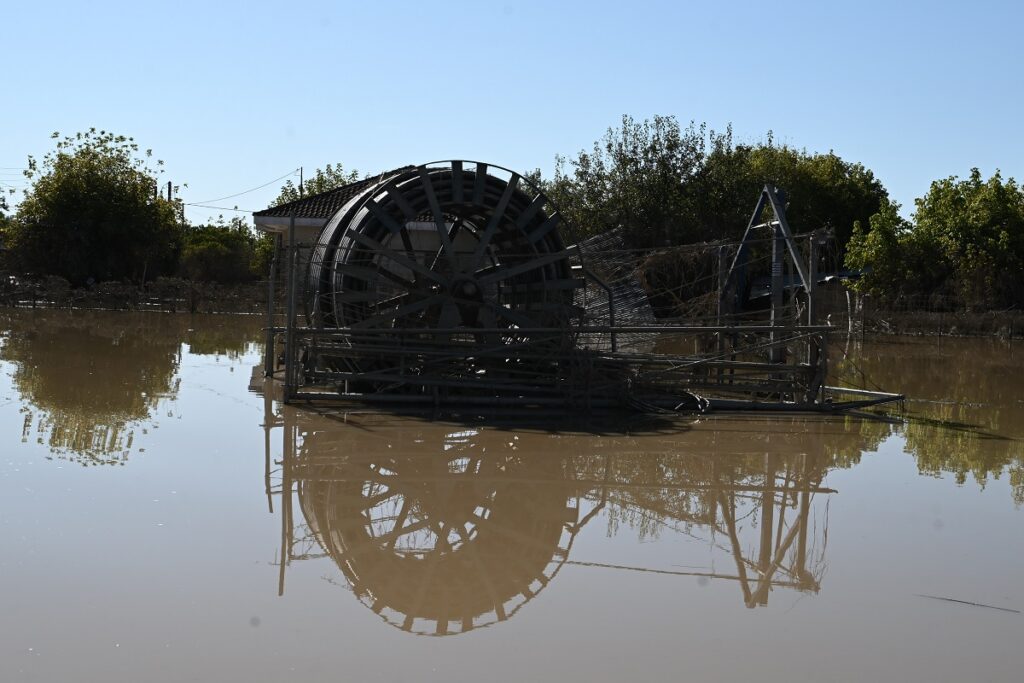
x,y
457,284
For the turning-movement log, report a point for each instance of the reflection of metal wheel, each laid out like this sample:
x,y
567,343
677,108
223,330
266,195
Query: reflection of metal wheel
x,y
457,540
451,246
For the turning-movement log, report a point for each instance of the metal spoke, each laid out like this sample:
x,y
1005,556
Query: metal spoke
x,y
492,225
457,182
381,215
456,226
527,215
413,307
506,272
387,253
547,226
478,184
400,201
435,211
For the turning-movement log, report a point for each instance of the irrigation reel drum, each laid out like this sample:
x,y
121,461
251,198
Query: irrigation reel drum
x,y
433,274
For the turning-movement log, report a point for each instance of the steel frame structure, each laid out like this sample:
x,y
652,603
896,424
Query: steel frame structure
x,y
451,285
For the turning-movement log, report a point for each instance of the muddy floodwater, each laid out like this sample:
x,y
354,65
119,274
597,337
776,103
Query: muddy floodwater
x,y
159,521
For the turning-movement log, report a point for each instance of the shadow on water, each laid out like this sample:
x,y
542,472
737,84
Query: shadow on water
x,y
90,380
441,528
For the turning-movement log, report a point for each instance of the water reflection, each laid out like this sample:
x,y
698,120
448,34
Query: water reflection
x,y
965,412
441,528
90,381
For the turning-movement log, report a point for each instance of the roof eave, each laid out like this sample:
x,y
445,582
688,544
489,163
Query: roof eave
x,y
279,224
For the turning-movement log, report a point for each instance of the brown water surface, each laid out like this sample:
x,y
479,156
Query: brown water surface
x,y
162,523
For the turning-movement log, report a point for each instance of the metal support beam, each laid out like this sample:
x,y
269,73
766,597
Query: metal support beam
x,y
290,350
780,215
777,353
269,351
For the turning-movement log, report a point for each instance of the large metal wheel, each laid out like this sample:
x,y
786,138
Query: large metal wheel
x,y
455,252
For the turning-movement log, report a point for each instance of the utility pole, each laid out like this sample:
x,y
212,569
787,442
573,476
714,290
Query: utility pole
x,y
300,183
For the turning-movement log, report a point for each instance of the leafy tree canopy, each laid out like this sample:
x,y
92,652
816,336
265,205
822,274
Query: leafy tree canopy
x,y
92,212
220,252
665,184
634,177
822,190
964,247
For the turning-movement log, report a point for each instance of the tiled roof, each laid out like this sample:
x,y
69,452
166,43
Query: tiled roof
x,y
325,204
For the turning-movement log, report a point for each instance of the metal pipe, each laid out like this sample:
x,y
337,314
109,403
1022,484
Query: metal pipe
x,y
290,350
582,329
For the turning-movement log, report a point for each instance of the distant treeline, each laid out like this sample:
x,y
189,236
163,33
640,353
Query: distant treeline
x,y
92,214
664,185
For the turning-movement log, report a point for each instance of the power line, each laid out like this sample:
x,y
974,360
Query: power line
x,y
239,194
222,208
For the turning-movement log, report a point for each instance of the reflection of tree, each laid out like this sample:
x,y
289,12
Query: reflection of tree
x,y
965,416
441,528
221,335
91,379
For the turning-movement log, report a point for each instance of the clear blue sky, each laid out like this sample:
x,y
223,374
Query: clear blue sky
x,y
234,94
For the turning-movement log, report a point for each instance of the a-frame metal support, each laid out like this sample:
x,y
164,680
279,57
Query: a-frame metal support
x,y
736,279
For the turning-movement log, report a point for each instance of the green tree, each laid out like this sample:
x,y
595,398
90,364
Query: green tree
x,y
975,228
665,184
322,180
93,212
886,253
221,252
634,177
822,190
964,245
5,238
